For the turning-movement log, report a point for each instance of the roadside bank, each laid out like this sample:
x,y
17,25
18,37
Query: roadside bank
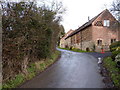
x,y
110,73
32,70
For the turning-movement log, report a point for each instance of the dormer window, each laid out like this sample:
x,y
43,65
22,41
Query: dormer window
x,y
106,23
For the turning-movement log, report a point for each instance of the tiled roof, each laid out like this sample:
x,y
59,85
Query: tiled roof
x,y
67,34
84,25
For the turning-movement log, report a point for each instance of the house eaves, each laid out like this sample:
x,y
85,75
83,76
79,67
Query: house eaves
x,y
87,24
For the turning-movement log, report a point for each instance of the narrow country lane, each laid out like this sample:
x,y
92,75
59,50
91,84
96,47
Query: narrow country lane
x,y
73,70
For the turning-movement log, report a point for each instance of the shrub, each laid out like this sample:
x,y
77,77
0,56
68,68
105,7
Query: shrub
x,y
113,70
117,59
118,48
27,31
113,46
114,54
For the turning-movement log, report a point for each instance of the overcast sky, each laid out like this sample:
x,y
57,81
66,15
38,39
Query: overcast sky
x,y
78,11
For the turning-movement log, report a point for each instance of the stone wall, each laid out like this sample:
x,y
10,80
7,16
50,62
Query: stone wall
x,y
68,42
84,45
62,43
83,39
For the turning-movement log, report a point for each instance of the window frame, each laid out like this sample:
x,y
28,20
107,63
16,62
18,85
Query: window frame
x,y
99,42
113,40
106,23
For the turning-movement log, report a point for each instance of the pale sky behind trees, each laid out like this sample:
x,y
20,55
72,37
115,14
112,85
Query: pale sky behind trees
x,y
78,11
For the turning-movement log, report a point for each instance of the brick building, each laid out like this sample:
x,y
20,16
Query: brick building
x,y
64,43
97,33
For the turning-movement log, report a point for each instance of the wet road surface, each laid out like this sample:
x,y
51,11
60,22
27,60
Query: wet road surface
x,y
101,55
73,70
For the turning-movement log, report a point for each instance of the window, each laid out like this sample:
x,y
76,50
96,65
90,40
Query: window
x,y
98,23
99,42
106,23
113,40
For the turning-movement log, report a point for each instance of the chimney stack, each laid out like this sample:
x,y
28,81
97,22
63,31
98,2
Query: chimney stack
x,y
88,18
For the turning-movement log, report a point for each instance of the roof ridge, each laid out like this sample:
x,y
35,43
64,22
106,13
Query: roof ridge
x,y
86,24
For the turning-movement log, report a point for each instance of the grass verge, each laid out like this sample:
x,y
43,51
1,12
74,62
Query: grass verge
x,y
75,50
114,72
33,69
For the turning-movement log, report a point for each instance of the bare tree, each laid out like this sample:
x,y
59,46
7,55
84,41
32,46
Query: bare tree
x,y
116,8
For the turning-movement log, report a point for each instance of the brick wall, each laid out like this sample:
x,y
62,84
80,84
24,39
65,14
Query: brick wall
x,y
100,32
88,38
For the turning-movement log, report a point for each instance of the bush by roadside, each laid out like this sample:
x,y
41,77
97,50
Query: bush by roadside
x,y
112,63
114,46
114,71
33,69
30,33
114,54
115,49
